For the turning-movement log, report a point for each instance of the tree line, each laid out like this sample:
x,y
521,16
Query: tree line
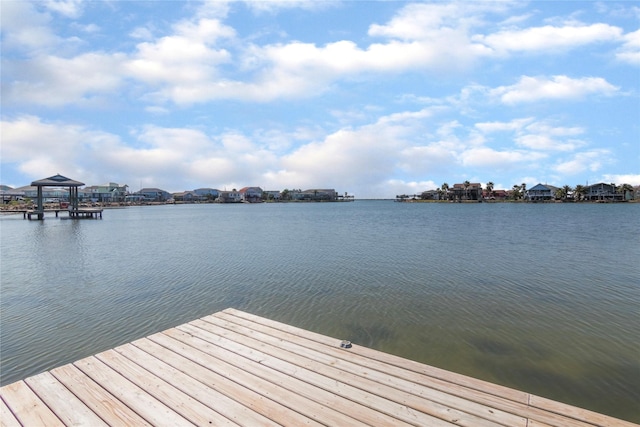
x,y
517,192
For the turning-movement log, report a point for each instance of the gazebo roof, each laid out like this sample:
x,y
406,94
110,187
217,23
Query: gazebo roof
x,y
57,181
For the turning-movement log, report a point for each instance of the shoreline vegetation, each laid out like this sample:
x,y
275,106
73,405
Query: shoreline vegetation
x,y
540,193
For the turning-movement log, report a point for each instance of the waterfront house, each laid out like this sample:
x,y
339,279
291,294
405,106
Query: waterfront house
x,y
49,194
461,192
602,192
229,197
272,194
315,194
154,195
9,194
495,194
186,197
207,193
430,195
541,192
106,193
251,194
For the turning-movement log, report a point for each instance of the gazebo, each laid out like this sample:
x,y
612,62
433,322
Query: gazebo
x,y
57,181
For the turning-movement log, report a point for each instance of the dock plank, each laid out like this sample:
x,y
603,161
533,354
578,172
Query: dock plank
x,y
7,419
27,407
216,375
217,401
221,362
370,394
102,403
183,404
298,382
234,368
440,404
71,410
495,397
136,398
388,359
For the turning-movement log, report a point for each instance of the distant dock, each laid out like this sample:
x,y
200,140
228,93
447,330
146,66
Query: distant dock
x,y
234,368
73,213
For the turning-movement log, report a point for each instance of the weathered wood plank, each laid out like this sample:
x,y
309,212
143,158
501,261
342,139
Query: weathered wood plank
x,y
493,396
373,395
7,419
102,403
215,375
276,391
145,405
365,375
390,359
298,383
183,404
27,406
71,410
227,407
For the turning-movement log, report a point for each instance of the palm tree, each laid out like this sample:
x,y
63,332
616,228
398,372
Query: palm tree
x,y
567,190
489,186
559,193
624,189
523,188
515,192
466,185
579,192
445,189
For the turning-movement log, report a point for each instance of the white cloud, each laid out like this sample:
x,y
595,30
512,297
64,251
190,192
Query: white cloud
x,y
370,151
183,59
418,21
618,179
68,8
418,160
592,161
547,143
537,135
395,187
273,6
543,136
55,81
487,157
23,27
531,89
44,149
142,33
513,126
548,38
629,52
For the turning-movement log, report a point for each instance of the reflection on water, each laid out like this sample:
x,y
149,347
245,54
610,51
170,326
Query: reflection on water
x,y
543,298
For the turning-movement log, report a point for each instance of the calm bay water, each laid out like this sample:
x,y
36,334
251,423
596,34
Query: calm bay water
x,y
544,298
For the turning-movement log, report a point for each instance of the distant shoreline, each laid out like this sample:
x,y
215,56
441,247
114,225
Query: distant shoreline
x,y
19,208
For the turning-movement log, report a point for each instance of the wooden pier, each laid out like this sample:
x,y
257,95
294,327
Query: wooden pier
x,y
73,213
234,368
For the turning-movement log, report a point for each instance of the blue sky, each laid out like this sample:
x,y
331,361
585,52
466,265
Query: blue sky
x,y
371,98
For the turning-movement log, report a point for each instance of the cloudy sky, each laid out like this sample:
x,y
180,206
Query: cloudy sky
x,y
370,98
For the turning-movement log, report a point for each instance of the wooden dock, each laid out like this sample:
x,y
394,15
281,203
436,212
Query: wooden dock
x,y
73,213
234,368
